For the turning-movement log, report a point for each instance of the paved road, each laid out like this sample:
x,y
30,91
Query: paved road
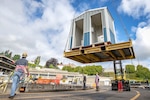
x,y
103,94
144,94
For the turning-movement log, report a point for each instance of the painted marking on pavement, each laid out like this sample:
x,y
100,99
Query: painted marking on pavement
x,y
60,95
137,95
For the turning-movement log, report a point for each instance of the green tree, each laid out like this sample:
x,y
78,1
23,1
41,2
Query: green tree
x,y
68,68
8,53
51,66
108,74
92,70
78,69
52,61
31,65
16,57
130,68
37,60
142,72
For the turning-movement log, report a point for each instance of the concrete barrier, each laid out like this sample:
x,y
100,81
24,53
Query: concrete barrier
x,y
47,87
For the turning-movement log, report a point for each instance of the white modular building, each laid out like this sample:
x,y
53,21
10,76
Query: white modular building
x,y
91,27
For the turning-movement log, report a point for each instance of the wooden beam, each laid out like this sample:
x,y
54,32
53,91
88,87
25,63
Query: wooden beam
x,y
83,58
93,57
106,59
122,53
127,57
92,50
111,55
76,59
10,65
94,53
131,51
118,46
72,53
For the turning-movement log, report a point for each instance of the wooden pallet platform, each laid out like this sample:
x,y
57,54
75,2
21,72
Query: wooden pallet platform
x,y
6,63
102,52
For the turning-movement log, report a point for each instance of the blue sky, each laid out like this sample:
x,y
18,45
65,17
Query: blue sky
x,y
121,20
41,27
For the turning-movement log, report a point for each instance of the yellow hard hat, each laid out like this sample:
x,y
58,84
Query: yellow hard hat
x,y
24,54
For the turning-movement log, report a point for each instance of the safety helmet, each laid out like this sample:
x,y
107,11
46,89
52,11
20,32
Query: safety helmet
x,y
24,54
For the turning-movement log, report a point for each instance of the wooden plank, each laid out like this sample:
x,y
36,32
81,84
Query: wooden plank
x,y
92,50
106,59
127,57
88,54
122,53
76,59
118,46
6,68
72,53
111,55
10,65
132,52
83,58
93,57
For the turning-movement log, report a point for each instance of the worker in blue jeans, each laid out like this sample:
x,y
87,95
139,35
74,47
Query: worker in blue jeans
x,y
20,70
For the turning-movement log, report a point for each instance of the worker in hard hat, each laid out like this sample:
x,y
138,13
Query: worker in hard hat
x,y
20,70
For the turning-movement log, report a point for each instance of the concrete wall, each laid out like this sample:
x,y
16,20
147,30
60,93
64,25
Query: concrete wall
x,y
104,81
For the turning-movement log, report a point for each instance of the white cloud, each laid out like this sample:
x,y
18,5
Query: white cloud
x,y
142,24
138,9
135,8
46,35
21,30
141,44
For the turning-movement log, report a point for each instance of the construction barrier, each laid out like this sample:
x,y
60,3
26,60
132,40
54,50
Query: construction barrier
x,y
47,81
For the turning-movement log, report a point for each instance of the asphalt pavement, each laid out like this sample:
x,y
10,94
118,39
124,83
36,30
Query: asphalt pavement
x,y
105,93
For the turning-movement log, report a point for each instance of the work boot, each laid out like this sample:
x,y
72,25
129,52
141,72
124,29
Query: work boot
x,y
11,97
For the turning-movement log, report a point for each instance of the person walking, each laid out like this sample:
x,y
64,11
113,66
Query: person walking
x,y
97,81
84,82
147,82
20,70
